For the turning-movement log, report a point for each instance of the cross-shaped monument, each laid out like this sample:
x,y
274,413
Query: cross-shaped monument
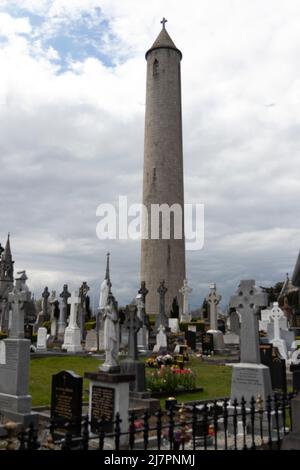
x,y
248,299
163,22
83,291
249,377
45,308
213,300
185,291
18,300
162,318
64,295
72,339
278,342
133,324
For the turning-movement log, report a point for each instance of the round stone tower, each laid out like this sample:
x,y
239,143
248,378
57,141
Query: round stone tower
x,y
163,256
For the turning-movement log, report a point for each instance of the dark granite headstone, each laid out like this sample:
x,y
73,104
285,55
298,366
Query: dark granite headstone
x,y
271,358
103,407
295,369
66,399
278,372
28,330
190,337
207,344
266,351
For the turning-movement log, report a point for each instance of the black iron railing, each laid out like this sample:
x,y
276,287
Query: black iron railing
x,y
209,425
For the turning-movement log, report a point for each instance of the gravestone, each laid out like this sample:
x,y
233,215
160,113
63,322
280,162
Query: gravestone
x,y
41,344
234,322
28,331
278,372
174,325
62,321
213,300
250,377
272,359
161,318
15,401
131,365
66,400
190,337
72,338
295,369
82,310
218,340
142,338
161,340
102,407
276,315
292,440
207,344
55,312
91,341
185,291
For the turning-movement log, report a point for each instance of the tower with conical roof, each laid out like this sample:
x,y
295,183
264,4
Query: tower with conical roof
x,y
6,282
6,269
163,258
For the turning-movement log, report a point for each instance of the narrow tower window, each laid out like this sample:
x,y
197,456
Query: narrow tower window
x,y
155,68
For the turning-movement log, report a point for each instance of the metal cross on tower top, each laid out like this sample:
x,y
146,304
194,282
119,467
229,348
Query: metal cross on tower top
x,y
163,22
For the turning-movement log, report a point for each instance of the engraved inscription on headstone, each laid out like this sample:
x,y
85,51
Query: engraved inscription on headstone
x,y
66,399
248,377
103,404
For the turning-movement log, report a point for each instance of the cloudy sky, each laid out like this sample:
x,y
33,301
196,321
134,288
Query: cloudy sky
x,y
72,103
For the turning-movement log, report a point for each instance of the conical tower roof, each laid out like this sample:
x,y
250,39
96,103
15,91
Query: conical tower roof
x,y
163,41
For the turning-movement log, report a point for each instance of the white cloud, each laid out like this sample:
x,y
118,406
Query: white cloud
x,y
71,139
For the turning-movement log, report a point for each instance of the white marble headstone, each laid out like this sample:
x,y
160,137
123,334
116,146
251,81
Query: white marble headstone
x,y
42,339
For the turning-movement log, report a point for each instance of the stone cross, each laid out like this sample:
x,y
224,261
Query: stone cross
x,y
133,324
161,317
276,314
185,291
65,294
163,22
18,300
82,312
74,301
45,309
247,301
213,300
143,291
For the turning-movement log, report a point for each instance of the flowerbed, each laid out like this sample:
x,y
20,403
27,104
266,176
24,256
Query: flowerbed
x,y
171,379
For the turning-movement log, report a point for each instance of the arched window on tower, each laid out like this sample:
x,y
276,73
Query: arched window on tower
x,y
155,68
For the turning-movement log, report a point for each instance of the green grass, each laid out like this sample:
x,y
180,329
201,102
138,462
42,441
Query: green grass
x,y
42,369
215,379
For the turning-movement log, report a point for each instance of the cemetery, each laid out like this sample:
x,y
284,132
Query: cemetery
x,y
151,373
